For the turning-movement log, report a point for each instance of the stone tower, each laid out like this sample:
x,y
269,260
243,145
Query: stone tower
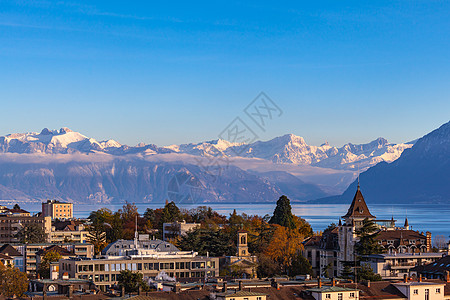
x,y
242,244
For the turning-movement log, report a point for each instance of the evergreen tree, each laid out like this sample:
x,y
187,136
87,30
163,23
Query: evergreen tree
x,y
300,266
347,272
131,281
16,206
170,213
32,234
367,244
367,273
282,214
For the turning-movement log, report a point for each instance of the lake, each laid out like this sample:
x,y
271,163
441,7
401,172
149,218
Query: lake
x,y
433,218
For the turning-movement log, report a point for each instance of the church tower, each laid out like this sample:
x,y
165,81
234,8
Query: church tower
x,y
242,244
357,211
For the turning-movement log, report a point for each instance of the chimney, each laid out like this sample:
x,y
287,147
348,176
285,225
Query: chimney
x,y
224,287
333,282
368,283
447,276
241,286
319,282
428,241
420,278
122,292
405,278
70,292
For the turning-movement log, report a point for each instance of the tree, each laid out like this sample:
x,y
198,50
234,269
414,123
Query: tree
x,y
44,266
97,236
365,272
267,267
16,206
282,214
347,272
367,244
131,281
300,266
214,241
440,241
32,234
12,282
284,246
326,271
170,213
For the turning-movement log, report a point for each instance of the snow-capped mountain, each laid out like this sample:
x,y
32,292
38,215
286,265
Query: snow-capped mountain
x,y
293,149
420,175
68,165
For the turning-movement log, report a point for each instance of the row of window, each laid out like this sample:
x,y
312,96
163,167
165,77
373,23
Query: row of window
x,y
427,291
115,277
340,296
144,266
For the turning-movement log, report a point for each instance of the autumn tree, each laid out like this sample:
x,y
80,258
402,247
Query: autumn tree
x,y
12,282
44,266
284,246
32,234
282,214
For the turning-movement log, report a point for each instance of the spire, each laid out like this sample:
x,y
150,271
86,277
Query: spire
x,y
358,208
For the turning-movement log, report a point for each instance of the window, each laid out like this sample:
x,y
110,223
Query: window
x,y
328,296
438,291
416,292
340,296
258,298
427,294
352,295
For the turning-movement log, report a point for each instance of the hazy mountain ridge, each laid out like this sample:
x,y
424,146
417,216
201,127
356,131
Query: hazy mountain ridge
x,y
68,165
420,175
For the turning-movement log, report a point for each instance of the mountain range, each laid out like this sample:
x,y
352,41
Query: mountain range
x,y
67,165
420,175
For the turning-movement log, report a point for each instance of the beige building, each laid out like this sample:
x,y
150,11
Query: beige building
x,y
240,295
175,229
10,225
57,210
105,271
68,231
30,252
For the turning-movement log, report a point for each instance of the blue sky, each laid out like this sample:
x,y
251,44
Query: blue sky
x,y
173,72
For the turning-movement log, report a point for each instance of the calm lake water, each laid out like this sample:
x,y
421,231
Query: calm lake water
x,y
433,218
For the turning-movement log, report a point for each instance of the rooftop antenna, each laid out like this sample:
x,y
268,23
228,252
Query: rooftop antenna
x,y
136,235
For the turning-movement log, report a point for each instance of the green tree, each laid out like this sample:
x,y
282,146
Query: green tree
x,y
214,241
347,272
282,214
16,206
365,272
300,266
97,236
132,281
44,266
326,271
267,267
367,244
170,213
12,282
32,234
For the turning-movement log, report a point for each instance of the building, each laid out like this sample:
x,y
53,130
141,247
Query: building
x,y
332,292
105,271
57,210
29,252
243,262
71,231
11,224
440,269
391,266
335,249
16,256
175,229
240,295
65,253
143,244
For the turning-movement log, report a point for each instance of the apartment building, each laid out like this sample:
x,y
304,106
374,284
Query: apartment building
x,y
57,210
30,253
11,224
105,271
72,231
391,266
175,229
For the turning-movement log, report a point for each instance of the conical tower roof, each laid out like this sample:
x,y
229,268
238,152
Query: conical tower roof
x,y
358,208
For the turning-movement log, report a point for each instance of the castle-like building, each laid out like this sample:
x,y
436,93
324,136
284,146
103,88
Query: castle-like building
x,y
335,248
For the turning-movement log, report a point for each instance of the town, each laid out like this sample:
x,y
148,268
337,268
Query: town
x,y
172,253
